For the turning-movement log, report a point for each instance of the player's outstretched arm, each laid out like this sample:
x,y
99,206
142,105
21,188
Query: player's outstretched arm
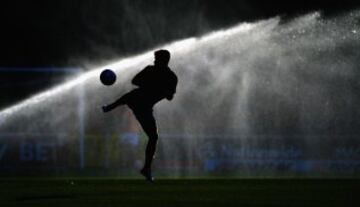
x,y
140,79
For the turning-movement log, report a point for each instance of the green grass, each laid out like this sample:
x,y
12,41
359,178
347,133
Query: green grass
x,y
178,192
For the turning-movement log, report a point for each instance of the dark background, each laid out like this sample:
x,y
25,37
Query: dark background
x,y
69,32
63,33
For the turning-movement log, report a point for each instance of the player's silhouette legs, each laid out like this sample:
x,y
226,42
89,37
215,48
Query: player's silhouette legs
x,y
148,123
144,114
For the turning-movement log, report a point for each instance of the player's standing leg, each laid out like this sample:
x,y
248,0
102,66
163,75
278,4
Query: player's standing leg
x,y
148,123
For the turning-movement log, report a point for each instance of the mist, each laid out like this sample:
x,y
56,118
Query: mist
x,y
248,83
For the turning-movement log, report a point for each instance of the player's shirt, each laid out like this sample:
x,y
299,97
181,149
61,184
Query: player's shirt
x,y
155,83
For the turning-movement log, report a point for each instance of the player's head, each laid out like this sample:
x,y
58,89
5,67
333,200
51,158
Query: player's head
x,y
162,57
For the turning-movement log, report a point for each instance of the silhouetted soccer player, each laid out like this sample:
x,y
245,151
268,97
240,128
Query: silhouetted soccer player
x,y
155,83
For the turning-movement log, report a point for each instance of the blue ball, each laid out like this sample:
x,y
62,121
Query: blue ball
x,y
107,77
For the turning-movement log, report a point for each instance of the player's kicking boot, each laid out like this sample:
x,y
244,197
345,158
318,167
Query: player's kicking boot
x,y
105,109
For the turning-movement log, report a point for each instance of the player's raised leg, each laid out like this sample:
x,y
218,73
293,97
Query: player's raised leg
x,y
121,101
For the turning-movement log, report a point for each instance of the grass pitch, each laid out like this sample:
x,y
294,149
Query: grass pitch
x,y
88,192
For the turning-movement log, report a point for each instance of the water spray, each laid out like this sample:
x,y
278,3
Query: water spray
x,y
257,84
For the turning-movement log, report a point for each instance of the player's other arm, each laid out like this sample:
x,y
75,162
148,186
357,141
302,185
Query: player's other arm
x,y
171,92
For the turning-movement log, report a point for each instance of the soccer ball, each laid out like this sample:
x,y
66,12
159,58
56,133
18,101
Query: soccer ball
x,y
107,77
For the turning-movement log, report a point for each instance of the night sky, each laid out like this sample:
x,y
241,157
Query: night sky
x,y
68,32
